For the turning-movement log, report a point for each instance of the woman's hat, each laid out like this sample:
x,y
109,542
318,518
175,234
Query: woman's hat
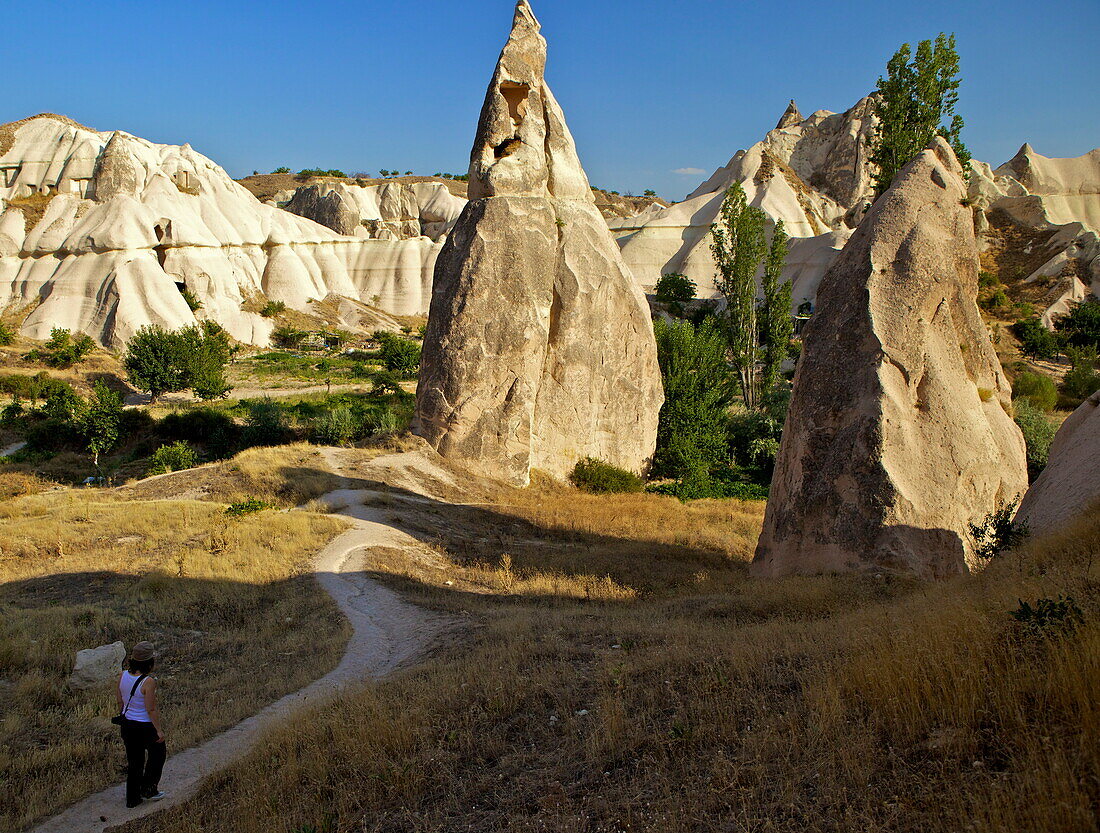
x,y
143,652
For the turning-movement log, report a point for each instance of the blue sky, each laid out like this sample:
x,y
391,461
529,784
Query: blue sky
x,y
648,87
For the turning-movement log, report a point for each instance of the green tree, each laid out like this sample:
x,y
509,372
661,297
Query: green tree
x,y
204,351
7,335
101,418
916,101
740,247
692,430
1038,433
153,362
776,324
1082,381
1081,327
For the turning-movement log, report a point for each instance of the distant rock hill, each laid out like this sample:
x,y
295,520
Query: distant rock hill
x,y
1037,218
102,233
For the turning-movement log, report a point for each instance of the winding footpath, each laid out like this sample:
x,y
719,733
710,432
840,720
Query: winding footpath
x,y
388,633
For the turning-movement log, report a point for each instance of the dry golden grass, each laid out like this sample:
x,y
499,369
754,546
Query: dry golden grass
x,y
716,702
285,476
227,601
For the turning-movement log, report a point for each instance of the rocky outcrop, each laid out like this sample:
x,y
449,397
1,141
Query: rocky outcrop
x,y
391,210
1069,484
814,174
97,666
1038,220
539,349
100,232
898,435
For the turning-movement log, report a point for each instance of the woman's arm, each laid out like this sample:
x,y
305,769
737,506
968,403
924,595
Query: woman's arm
x,y
149,689
118,694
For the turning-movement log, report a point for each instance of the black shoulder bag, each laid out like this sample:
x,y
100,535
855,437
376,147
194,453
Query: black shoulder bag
x,y
119,719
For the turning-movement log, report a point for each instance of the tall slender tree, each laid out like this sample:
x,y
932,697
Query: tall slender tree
x,y
916,101
756,332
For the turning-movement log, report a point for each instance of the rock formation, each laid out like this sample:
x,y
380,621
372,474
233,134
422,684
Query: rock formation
x,y
1069,484
813,174
1040,219
539,348
100,232
898,435
389,211
95,667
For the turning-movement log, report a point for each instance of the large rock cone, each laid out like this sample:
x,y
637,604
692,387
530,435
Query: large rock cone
x,y
1069,484
539,349
899,434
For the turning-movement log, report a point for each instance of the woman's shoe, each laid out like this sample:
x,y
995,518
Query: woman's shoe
x,y
157,796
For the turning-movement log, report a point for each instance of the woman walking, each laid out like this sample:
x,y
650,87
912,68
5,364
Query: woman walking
x,y
142,730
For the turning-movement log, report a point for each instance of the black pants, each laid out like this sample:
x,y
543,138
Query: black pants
x,y
142,774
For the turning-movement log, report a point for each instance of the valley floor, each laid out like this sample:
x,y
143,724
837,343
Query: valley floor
x,y
619,669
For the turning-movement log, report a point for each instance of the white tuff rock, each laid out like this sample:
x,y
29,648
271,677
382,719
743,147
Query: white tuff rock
x,y
539,349
898,435
97,666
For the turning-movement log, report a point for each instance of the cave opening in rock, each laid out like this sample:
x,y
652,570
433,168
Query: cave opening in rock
x,y
162,230
516,96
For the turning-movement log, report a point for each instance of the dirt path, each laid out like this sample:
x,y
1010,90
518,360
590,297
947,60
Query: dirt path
x,y
388,633
12,449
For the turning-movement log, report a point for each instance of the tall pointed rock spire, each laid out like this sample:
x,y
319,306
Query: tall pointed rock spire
x,y
539,349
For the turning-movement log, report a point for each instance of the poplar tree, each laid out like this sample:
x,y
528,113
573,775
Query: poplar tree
x,y
916,101
755,332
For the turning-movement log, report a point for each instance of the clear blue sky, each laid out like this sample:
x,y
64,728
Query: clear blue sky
x,y
648,87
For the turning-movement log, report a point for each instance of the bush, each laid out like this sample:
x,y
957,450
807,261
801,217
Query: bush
x,y
335,427
1039,390
1035,339
1048,617
675,290
693,427
214,429
281,170
247,507
1081,327
1082,381
1038,433
266,423
306,173
399,355
597,477
273,308
62,350
715,488
289,337
7,335
998,533
189,298
175,457
161,361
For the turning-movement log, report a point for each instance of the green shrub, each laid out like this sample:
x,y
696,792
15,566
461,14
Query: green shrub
x,y
1035,339
335,427
996,301
174,457
289,337
1082,381
273,308
7,335
266,423
191,300
62,350
998,532
205,426
1038,389
399,355
715,488
986,280
675,290
1048,617
1038,433
693,426
1081,327
281,170
247,507
597,477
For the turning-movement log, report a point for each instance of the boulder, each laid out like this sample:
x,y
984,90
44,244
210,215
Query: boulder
x,y
1069,484
539,348
898,435
97,666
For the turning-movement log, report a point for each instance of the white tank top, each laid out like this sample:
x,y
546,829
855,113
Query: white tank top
x,y
136,709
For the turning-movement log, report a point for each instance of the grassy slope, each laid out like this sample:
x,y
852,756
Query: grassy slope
x,y
227,601
627,674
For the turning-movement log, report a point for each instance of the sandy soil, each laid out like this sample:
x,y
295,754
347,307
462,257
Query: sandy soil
x,y
388,634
